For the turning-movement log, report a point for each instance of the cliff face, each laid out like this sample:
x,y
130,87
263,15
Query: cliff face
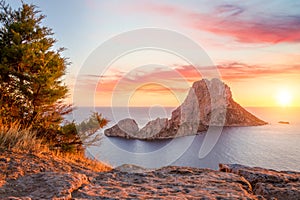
x,y
215,101
208,103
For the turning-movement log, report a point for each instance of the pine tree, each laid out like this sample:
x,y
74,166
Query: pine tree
x,y
31,81
31,75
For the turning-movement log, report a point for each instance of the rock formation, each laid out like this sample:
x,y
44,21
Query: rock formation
x,y
208,103
30,176
124,127
268,183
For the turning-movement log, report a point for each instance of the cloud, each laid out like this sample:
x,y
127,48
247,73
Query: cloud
x,y
267,30
162,80
234,21
156,80
155,88
238,71
229,10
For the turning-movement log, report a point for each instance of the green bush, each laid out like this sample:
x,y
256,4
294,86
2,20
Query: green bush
x,y
75,137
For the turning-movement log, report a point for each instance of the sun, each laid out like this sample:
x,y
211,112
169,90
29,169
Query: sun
x,y
284,98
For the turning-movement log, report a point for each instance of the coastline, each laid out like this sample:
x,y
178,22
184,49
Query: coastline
x,y
24,174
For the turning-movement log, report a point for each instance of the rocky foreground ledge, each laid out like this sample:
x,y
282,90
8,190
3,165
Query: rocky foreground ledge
x,y
27,176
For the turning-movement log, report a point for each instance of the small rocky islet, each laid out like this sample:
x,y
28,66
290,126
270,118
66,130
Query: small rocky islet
x,y
283,122
42,176
208,103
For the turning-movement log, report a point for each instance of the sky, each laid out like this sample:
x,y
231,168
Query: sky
x,y
253,46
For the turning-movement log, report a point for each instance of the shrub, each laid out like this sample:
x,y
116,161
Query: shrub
x,y
75,137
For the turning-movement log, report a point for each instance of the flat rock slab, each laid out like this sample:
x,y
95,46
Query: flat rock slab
x,y
45,185
166,183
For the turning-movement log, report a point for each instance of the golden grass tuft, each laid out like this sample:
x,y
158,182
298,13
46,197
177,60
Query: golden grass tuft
x,y
13,138
81,160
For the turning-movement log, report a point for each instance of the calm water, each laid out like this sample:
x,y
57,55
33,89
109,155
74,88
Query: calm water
x,y
275,145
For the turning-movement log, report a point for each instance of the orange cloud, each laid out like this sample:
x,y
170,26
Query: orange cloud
x,y
155,94
176,79
169,86
179,78
238,71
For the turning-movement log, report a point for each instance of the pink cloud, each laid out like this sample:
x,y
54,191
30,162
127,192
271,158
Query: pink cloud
x,y
231,21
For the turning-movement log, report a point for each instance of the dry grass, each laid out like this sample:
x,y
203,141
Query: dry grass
x,y
82,160
13,138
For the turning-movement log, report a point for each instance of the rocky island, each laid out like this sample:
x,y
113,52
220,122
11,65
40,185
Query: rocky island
x,y
208,103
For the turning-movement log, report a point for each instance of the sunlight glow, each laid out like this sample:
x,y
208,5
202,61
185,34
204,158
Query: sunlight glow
x,y
284,98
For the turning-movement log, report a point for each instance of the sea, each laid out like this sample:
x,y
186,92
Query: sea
x,y
273,146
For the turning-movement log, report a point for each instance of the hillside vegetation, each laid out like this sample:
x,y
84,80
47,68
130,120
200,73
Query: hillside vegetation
x,y
32,90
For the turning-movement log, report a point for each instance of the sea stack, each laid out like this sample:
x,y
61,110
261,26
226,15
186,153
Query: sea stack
x,y
208,103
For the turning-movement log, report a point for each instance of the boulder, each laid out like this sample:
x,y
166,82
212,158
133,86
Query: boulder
x,y
268,183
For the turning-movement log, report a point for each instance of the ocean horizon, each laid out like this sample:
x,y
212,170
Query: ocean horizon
x,y
273,146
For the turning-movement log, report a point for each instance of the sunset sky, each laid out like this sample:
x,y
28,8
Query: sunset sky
x,y
255,46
